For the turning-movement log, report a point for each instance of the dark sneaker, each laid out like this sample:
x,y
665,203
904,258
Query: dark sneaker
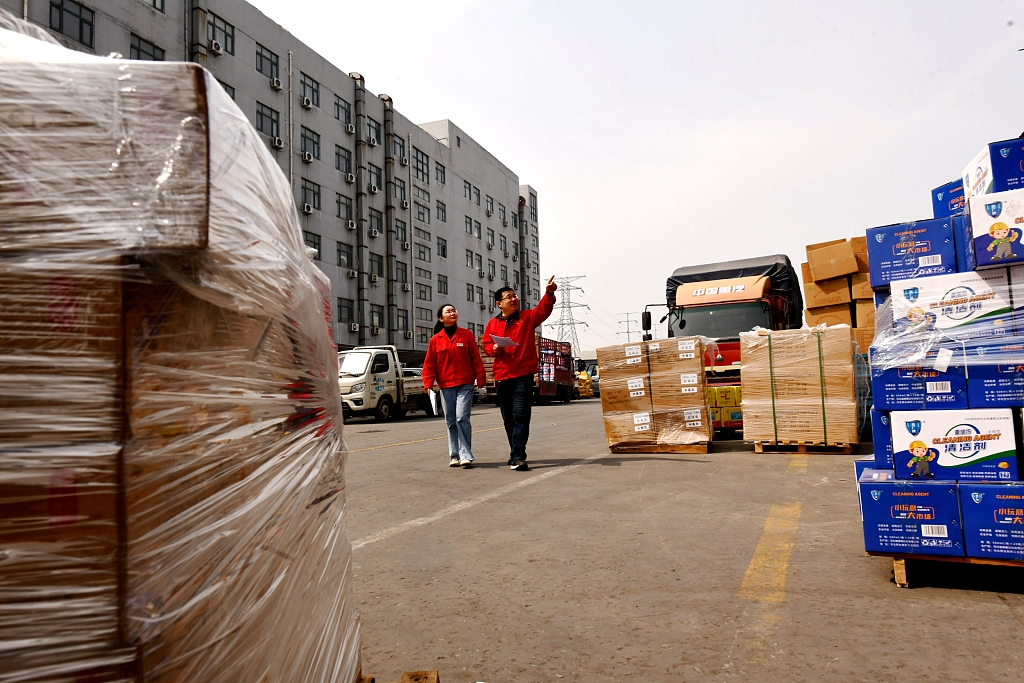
x,y
454,462
520,466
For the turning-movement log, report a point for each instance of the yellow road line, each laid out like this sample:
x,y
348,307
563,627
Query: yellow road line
x,y
406,443
798,463
765,578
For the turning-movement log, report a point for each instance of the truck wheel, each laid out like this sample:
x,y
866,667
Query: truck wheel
x,y
384,410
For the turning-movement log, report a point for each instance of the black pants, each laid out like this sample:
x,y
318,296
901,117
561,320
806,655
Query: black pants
x,y
515,398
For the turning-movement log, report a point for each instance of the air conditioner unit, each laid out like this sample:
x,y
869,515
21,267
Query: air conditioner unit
x,y
275,83
277,143
407,245
505,253
374,277
374,232
307,208
405,203
407,287
489,213
353,327
216,48
351,225
307,157
504,223
374,331
350,129
350,177
483,306
372,141
490,277
515,257
373,189
352,273
307,103
481,273
490,308
490,245
408,334
405,161
515,287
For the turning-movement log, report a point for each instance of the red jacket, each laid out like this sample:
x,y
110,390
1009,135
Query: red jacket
x,y
522,359
453,362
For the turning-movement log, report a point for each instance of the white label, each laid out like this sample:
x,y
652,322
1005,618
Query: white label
x,y
632,351
641,418
942,359
635,383
654,347
689,390
694,424
688,378
687,355
631,361
934,530
687,345
691,414
641,428
935,260
637,393
937,387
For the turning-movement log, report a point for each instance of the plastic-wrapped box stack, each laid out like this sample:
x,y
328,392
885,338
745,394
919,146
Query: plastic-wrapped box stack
x,y
653,395
171,463
799,386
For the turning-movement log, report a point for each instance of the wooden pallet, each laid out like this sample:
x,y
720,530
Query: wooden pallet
x,y
803,447
899,563
661,448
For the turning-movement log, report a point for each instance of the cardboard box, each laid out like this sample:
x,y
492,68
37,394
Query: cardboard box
x,y
996,222
859,244
961,305
865,314
829,315
860,287
832,261
912,518
955,444
997,168
826,292
881,438
683,426
676,373
938,381
976,177
821,245
993,517
805,273
948,199
864,339
966,260
859,465
909,250
996,373
863,264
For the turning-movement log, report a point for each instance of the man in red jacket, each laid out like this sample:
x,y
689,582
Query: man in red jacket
x,y
516,364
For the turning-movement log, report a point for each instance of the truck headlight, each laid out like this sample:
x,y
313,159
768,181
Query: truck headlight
x,y
356,388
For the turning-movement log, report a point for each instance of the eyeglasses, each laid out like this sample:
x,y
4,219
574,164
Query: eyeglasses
x,y
509,298
449,310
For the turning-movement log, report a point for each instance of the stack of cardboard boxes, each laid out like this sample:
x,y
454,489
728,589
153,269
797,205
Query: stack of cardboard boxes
x,y
724,403
653,395
836,287
171,480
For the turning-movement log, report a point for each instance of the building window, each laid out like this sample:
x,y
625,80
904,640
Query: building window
x,y
313,242
373,130
442,211
403,320
376,315
401,271
489,203
345,255
504,273
478,263
470,293
502,244
515,219
469,225
421,166
442,284
344,207
469,258
533,238
439,172
490,237
69,18
501,211
480,295
309,88
442,247
311,193
467,190
398,146
159,5
266,61
267,120
144,50
310,142
422,252
346,310
399,190
422,213
342,159
401,234
221,31
420,193
421,234
342,110
423,292
476,229
423,334
424,313
377,220
376,175
533,207
423,274
376,264
490,267
515,279
227,88
476,196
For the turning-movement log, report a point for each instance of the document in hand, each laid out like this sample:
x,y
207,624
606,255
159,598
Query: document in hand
x,y
503,342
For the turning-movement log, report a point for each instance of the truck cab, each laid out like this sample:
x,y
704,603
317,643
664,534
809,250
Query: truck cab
x,y
372,382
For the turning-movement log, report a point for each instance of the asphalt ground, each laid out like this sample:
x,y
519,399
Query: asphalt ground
x,y
600,567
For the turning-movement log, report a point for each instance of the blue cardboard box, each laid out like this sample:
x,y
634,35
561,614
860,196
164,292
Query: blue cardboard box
x,y
948,199
911,518
881,439
993,520
908,250
955,445
936,382
880,296
996,221
859,465
995,373
997,168
963,244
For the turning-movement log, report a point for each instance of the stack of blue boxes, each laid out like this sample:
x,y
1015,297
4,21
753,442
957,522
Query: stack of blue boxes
x,y
947,371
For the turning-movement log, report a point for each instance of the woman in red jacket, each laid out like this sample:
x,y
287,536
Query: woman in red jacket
x,y
453,361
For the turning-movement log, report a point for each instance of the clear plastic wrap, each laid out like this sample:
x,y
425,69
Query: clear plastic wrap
x,y
171,459
799,385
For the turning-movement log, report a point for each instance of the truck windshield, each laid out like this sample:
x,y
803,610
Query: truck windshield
x,y
353,363
721,321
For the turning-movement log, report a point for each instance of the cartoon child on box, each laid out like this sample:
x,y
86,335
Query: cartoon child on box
x,y
1002,238
919,319
921,455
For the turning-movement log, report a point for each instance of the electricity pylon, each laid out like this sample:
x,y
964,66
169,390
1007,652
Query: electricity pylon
x,y
566,322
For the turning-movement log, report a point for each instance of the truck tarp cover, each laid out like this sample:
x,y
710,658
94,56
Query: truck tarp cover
x,y
779,270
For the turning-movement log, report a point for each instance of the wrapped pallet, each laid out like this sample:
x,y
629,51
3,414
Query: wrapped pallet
x,y
799,386
171,460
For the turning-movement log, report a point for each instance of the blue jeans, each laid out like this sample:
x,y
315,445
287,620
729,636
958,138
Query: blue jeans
x,y
515,398
458,403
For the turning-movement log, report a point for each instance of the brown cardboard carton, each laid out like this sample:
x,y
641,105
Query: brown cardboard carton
x,y
859,244
832,261
830,315
866,315
827,292
805,272
860,287
820,245
684,426
862,261
864,338
677,373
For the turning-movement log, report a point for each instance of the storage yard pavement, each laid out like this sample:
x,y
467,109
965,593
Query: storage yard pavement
x,y
601,567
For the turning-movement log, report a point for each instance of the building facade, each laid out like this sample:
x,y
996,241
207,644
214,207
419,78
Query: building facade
x,y
403,217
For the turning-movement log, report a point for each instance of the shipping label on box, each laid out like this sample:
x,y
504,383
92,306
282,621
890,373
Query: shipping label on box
x,y
948,199
962,305
954,444
920,518
908,250
996,373
935,380
993,520
881,438
996,222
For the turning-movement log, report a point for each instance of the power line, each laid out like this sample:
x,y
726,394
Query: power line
x,y
629,329
566,321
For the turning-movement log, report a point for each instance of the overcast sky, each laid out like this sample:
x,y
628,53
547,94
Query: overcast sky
x,y
663,134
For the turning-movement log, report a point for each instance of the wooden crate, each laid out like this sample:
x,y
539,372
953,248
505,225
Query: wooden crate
x,y
899,563
803,447
662,448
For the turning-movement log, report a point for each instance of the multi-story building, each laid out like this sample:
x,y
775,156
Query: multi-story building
x,y
403,217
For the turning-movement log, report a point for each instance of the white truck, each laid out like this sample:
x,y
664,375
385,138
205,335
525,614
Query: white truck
x,y
373,382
